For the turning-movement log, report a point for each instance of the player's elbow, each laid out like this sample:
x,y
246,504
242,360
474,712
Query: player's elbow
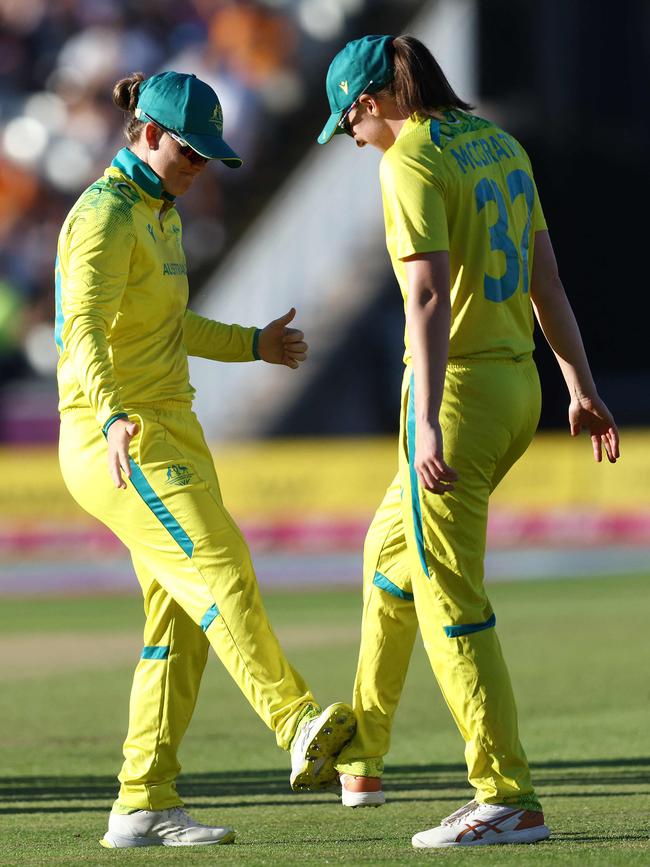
x,y
546,290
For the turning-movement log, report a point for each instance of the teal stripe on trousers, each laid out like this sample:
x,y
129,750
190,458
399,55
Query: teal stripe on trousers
x,y
468,628
155,652
386,584
159,509
58,319
208,617
415,485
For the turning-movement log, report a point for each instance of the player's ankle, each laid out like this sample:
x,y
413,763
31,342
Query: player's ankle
x,y
357,783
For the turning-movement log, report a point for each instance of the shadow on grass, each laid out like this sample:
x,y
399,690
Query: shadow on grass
x,y
416,783
566,837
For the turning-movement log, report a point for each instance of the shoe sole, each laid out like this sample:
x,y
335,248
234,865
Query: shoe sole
x,y
318,772
362,799
117,841
530,835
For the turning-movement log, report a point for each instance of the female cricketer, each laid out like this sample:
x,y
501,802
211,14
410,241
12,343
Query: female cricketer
x,y
470,249
124,334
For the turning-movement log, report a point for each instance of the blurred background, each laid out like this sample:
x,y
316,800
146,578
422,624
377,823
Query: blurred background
x,y
304,457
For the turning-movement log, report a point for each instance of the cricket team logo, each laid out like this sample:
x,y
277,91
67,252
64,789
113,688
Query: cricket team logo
x,y
217,117
344,86
179,475
127,191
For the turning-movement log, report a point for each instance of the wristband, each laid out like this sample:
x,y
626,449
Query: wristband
x,y
256,340
112,419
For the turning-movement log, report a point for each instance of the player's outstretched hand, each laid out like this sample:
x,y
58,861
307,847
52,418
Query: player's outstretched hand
x,y
432,471
281,345
119,437
590,413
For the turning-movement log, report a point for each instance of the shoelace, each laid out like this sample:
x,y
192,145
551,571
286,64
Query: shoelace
x,y
181,816
459,814
303,729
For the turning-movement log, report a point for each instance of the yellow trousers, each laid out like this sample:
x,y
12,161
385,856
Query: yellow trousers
x,y
199,589
423,565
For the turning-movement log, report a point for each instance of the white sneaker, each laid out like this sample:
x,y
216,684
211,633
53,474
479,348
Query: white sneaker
x,y
316,744
361,791
173,827
483,825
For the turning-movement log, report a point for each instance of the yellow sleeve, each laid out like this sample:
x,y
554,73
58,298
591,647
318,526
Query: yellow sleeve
x,y
415,202
538,218
209,339
98,250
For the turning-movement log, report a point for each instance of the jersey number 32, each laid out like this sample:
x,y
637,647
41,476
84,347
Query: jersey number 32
x,y
487,190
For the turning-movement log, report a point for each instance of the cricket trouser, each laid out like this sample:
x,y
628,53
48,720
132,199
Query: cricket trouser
x,y
423,566
199,589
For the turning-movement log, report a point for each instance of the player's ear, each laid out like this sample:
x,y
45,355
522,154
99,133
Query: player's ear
x,y
369,102
152,134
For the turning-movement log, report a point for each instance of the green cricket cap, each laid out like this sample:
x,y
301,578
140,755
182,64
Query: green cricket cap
x,y
189,107
364,66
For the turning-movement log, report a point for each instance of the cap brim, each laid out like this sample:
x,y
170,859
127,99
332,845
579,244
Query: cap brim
x,y
213,148
331,128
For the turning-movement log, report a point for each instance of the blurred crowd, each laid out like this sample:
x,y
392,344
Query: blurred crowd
x,y
59,128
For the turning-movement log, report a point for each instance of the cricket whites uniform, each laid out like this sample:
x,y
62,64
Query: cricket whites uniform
x,y
464,186
123,335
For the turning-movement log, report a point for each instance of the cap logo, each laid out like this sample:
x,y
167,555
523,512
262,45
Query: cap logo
x,y
344,86
217,117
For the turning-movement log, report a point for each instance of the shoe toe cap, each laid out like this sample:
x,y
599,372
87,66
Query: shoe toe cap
x,y
429,839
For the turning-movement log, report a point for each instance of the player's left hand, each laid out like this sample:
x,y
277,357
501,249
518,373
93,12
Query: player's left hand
x,y
433,472
592,414
281,345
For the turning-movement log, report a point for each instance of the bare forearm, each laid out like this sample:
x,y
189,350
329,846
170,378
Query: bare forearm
x,y
560,328
428,318
557,320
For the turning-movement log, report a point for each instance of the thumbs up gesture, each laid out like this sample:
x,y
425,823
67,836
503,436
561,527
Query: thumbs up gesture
x,y
279,344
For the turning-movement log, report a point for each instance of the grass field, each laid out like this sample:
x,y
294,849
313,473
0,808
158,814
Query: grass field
x,y
579,659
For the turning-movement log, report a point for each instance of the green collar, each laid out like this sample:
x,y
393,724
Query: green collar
x,y
141,174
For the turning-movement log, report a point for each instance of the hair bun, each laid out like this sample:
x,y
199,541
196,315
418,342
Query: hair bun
x,y
126,90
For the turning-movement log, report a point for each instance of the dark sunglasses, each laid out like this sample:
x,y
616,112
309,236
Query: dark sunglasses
x,y
343,121
183,148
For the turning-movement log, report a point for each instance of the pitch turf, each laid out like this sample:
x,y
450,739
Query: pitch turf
x,y
578,655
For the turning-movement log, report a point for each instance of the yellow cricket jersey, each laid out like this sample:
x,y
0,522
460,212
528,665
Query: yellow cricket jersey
x,y
122,329
463,185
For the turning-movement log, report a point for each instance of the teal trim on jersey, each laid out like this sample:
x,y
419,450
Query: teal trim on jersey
x,y
111,420
468,628
434,131
256,341
58,321
415,485
386,584
159,509
208,617
155,652
140,173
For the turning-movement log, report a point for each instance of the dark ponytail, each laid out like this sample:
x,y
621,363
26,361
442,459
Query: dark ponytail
x,y
125,96
420,85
